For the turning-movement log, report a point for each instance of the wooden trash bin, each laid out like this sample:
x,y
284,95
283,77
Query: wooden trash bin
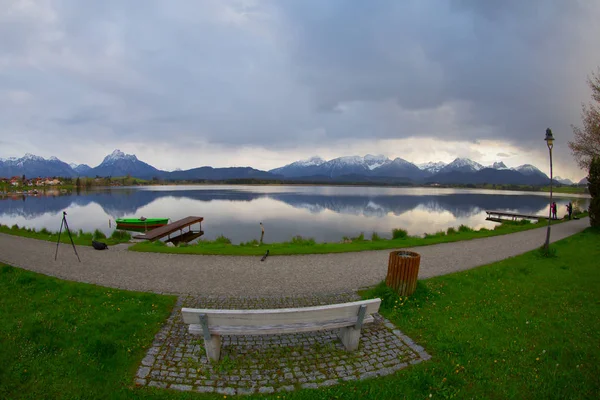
x,y
403,270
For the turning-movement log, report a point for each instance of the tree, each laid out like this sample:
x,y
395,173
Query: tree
x,y
586,144
594,189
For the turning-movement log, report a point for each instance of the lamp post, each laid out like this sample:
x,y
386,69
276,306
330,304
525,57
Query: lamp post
x,y
550,142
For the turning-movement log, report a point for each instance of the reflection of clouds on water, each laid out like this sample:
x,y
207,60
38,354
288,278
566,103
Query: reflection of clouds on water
x,y
325,213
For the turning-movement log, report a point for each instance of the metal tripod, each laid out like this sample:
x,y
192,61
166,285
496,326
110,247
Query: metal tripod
x,y
64,222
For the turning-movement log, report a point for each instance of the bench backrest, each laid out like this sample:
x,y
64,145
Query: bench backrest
x,y
280,316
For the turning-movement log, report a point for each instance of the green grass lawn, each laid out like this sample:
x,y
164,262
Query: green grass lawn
x,y
223,246
79,238
525,328
567,189
66,340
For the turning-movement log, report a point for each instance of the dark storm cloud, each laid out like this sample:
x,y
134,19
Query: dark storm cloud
x,y
281,74
515,66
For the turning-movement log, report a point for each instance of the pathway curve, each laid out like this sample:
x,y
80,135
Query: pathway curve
x,y
299,275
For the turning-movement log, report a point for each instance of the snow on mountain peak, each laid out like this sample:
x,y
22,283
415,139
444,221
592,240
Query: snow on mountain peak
x,y
377,161
499,165
433,167
73,165
314,160
53,159
31,157
464,162
527,168
118,155
350,160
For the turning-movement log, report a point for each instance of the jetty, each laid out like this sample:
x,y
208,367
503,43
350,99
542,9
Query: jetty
x,y
500,216
172,228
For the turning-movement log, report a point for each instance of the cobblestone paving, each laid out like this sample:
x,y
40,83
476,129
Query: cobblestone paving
x,y
271,363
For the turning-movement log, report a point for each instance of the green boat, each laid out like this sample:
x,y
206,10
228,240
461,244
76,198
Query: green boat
x,y
143,223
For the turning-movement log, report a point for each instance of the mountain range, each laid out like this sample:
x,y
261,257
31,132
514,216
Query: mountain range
x,y
370,168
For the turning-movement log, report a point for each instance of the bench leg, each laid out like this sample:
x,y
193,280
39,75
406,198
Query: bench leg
x,y
213,347
350,337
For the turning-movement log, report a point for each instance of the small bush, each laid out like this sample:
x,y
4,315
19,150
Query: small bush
x,y
375,237
346,239
387,295
300,241
15,227
464,229
399,233
45,231
98,234
251,243
359,238
182,244
221,239
438,234
451,231
484,230
120,235
85,235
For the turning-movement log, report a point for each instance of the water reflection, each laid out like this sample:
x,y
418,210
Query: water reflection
x,y
325,213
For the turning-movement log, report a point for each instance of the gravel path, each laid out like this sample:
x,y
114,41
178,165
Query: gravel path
x,y
300,275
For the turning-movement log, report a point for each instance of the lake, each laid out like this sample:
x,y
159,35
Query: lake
x,y
325,213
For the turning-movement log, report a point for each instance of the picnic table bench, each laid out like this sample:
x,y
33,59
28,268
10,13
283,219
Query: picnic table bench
x,y
347,317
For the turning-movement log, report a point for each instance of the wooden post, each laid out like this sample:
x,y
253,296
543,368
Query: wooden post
x,y
262,235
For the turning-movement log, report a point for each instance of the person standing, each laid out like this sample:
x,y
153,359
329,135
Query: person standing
x,y
554,210
570,209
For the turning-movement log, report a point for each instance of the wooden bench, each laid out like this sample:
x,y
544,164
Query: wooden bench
x,y
348,317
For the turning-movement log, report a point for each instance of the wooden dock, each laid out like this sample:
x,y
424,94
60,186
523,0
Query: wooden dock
x,y
499,216
173,227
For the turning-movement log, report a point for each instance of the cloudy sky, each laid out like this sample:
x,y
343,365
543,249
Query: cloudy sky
x,y
183,84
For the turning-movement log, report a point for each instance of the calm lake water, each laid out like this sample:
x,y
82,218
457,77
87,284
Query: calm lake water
x,y
325,213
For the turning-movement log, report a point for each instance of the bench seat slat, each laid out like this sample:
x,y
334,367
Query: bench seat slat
x,y
279,329
281,316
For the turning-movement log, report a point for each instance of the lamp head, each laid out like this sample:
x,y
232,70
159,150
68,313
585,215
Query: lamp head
x,y
549,138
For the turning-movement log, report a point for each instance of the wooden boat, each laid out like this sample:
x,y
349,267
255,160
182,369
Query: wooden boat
x,y
143,223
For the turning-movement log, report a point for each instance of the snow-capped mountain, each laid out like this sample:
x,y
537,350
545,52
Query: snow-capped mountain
x,y
531,171
461,165
400,168
528,169
81,169
563,180
377,169
377,161
316,160
583,181
31,166
498,165
369,165
306,167
345,166
120,164
432,167
118,156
